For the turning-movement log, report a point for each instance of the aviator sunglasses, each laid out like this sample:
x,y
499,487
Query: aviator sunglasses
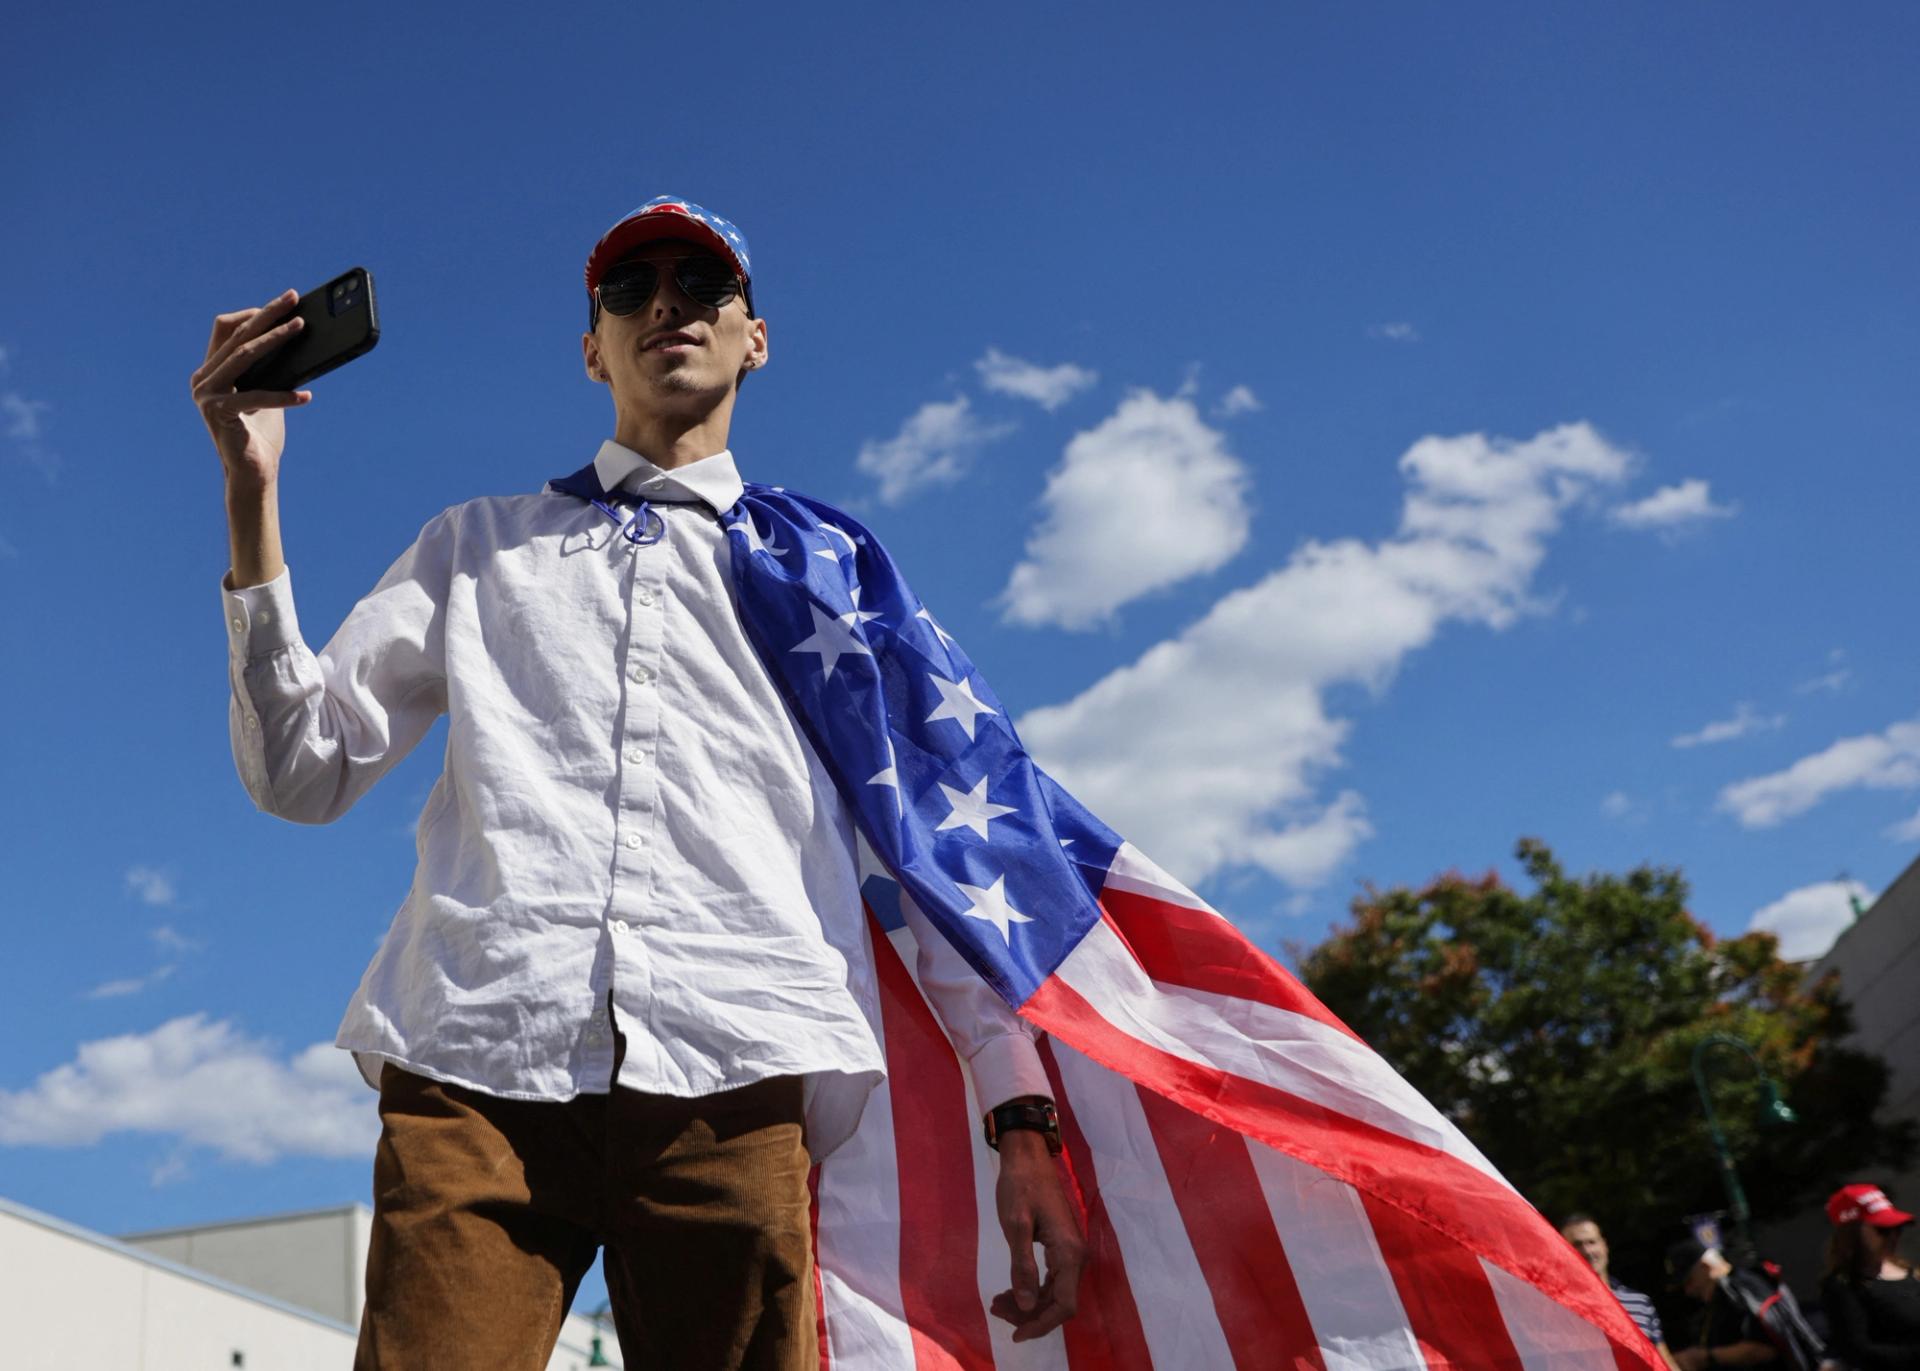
x,y
702,278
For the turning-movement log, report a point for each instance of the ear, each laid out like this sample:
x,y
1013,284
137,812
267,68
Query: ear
x,y
756,346
590,354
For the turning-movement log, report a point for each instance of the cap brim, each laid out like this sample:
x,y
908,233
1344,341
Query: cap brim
x,y
1888,1218
642,229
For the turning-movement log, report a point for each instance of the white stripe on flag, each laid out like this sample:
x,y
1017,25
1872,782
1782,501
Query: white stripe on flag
x,y
858,1246
1133,871
1547,1335
996,1261
1169,1289
992,1258
1343,1280
1275,1047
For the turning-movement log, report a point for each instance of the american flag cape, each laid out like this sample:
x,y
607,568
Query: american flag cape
x,y
1258,1188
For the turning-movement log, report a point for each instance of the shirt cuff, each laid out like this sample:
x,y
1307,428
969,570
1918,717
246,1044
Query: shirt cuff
x,y
1006,1068
260,619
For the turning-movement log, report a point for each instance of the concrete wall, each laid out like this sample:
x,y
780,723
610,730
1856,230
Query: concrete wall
x,y
316,1260
74,1300
1878,961
71,1300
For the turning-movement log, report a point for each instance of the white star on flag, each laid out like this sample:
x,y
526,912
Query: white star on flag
x,y
754,542
971,809
891,776
842,535
860,616
945,638
991,904
832,639
957,702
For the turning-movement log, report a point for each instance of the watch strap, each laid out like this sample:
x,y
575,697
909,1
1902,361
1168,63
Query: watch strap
x,y
1040,1118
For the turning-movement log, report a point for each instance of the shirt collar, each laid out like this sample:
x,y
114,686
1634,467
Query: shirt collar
x,y
712,480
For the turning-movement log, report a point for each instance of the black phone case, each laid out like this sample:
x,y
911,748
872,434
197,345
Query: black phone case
x,y
329,340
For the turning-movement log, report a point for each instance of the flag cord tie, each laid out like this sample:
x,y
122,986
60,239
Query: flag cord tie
x,y
652,528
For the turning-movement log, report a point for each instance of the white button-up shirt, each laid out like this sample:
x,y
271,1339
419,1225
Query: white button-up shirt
x,y
627,806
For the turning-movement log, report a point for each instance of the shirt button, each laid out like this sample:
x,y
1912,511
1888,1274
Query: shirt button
x,y
265,616
640,675
633,842
636,756
646,595
239,624
252,722
622,926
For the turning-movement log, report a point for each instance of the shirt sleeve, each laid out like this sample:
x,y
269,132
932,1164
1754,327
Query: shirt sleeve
x,y
1000,1048
312,734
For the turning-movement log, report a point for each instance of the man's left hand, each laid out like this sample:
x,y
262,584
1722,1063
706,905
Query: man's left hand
x,y
1035,1207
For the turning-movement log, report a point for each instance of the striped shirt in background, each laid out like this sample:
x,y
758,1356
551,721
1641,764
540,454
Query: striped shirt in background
x,y
1639,1308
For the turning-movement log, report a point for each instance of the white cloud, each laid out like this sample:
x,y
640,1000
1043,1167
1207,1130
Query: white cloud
x,y
204,1084
935,446
169,939
22,415
1617,805
1047,387
1834,681
1746,719
20,424
1240,400
1873,761
1807,920
108,990
1208,750
1398,332
171,944
1670,506
1147,498
1907,830
152,885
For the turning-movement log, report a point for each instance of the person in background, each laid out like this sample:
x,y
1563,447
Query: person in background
x,y
1587,1239
1870,1293
1728,1331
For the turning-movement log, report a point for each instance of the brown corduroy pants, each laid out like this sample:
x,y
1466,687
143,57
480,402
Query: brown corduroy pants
x,y
488,1212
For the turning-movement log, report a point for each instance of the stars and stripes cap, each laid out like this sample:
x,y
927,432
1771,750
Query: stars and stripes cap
x,y
666,216
1865,1204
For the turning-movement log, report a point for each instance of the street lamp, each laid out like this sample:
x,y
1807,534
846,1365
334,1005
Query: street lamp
x,y
1773,1112
598,1356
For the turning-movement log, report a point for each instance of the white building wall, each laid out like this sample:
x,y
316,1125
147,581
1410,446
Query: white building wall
x,y
316,1260
74,1300
71,1300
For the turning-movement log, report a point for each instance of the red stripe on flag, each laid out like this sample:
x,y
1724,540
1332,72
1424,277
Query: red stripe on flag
x,y
939,1225
819,1283
1105,1334
1202,951
1450,1304
1225,1212
1456,1200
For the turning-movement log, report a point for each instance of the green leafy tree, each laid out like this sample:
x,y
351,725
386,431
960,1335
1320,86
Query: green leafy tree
x,y
1556,1028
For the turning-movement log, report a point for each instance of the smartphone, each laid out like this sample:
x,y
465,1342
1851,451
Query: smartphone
x,y
341,325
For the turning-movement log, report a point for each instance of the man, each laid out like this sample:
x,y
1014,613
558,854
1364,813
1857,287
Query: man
x,y
1746,1319
1585,1235
625,996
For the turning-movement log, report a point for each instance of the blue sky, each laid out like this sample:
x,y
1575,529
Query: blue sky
x,y
1351,439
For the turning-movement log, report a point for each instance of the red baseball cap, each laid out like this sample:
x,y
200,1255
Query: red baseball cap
x,y
666,217
1865,1204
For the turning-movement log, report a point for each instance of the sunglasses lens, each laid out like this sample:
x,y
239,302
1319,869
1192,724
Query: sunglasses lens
x,y
628,287
708,281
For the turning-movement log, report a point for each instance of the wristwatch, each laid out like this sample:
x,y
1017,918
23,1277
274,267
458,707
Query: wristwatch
x,y
1038,1117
